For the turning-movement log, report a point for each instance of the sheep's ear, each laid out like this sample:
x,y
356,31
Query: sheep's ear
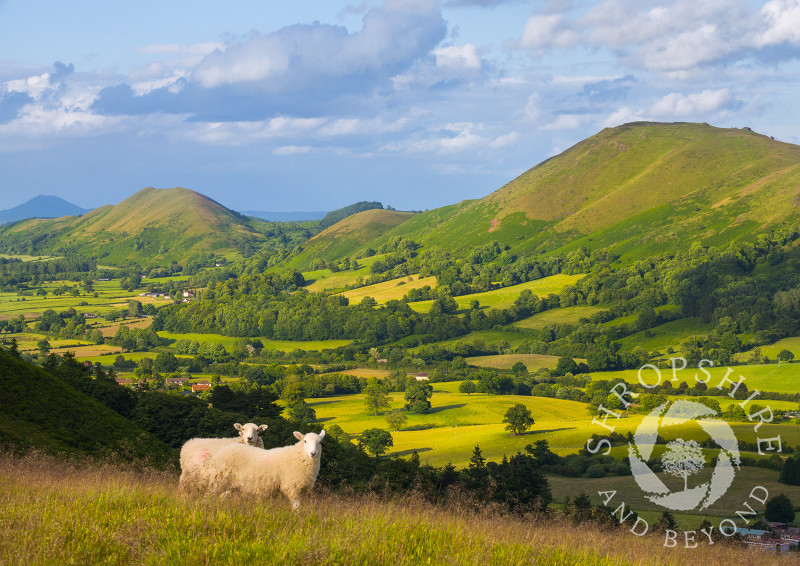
x,y
237,426
298,435
322,434
263,427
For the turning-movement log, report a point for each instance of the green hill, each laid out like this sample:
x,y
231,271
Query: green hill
x,y
152,225
350,235
642,188
38,410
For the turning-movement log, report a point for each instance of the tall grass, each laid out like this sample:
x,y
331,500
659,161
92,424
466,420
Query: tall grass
x,y
56,512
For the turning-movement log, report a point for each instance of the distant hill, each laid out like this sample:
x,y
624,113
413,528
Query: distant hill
x,y
152,225
285,216
340,214
640,188
42,206
38,410
346,237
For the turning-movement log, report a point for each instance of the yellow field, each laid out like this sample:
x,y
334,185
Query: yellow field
x,y
507,361
388,290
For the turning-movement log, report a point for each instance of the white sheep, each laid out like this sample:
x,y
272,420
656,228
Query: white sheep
x,y
248,434
196,452
291,470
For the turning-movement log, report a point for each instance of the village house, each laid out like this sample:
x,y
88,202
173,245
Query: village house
x,y
125,382
200,386
422,376
180,381
188,293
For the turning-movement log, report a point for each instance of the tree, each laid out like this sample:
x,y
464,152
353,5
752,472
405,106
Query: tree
x,y
134,308
396,419
779,509
301,412
417,397
519,368
519,419
44,347
467,387
166,362
375,396
376,440
565,365
785,356
682,459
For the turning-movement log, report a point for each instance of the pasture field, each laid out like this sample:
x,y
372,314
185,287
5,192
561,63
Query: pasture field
x,y
228,342
783,378
110,296
669,334
457,422
365,372
488,337
326,280
771,351
24,257
567,315
507,361
388,290
98,513
505,297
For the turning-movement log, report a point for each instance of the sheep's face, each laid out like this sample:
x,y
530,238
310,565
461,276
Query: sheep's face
x,y
249,432
312,443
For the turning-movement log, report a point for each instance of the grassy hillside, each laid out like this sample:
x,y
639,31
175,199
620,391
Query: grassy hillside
x,y
91,515
153,224
348,236
642,187
40,411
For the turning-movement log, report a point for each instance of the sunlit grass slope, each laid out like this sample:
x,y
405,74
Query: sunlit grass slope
x,y
73,514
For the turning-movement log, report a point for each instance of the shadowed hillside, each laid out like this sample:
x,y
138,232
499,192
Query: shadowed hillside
x,y
42,411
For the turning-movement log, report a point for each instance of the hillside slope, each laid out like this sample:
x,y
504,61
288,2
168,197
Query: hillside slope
x,y
38,410
642,187
349,235
153,224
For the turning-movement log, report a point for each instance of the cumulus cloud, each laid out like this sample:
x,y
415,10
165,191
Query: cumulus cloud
x,y
677,104
301,69
672,38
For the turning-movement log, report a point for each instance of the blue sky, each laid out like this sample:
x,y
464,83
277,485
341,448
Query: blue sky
x,y
313,105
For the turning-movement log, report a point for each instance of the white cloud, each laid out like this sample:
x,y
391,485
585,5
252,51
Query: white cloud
x,y
565,122
182,49
677,104
544,31
623,116
291,150
458,57
34,86
782,22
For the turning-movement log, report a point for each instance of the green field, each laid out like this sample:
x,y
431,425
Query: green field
x,y
228,342
668,334
568,315
488,337
507,361
388,290
784,378
792,344
110,296
505,297
457,422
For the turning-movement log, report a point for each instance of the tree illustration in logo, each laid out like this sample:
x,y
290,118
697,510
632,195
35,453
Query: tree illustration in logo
x,y
682,459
